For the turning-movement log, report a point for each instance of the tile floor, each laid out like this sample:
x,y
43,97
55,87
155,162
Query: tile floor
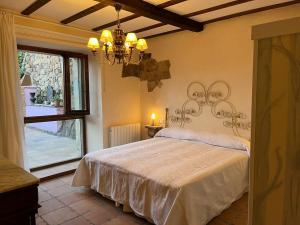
x,y
64,205
43,148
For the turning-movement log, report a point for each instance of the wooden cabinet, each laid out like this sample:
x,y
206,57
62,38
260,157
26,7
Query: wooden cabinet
x,y
18,195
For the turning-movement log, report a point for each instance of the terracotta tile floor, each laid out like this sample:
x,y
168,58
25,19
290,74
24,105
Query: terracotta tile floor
x,y
64,205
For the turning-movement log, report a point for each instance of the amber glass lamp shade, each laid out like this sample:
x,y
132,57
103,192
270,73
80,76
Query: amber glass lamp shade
x,y
106,36
93,44
141,45
153,117
131,39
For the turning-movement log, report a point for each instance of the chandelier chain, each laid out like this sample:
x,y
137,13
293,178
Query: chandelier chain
x,y
118,18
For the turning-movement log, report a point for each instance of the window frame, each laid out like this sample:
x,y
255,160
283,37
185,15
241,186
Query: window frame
x,y
67,87
68,114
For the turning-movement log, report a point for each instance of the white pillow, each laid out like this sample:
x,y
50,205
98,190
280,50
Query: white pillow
x,y
222,140
178,133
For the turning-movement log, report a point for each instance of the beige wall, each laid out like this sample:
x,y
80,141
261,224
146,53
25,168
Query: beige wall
x,y
223,51
121,99
94,121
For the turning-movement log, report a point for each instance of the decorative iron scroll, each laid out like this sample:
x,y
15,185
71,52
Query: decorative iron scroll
x,y
221,108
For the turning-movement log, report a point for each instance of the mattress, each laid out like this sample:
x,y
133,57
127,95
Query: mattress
x,y
168,181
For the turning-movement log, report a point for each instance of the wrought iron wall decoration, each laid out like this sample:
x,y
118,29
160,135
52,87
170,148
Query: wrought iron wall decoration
x,y
200,96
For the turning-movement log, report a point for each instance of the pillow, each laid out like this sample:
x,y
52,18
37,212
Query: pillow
x,y
222,140
178,133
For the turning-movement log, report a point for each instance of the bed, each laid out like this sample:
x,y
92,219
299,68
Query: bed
x,y
179,177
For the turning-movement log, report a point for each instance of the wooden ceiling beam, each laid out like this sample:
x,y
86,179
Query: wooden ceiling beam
x,y
34,6
84,13
247,12
196,13
146,9
134,16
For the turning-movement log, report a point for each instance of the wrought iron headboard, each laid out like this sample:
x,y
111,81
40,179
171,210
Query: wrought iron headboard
x,y
201,96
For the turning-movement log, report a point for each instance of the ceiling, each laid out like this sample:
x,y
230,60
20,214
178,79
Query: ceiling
x,y
97,15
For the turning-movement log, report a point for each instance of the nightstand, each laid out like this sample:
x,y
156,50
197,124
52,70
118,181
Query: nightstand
x,y
152,130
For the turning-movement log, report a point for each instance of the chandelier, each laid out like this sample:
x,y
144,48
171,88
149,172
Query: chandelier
x,y
117,46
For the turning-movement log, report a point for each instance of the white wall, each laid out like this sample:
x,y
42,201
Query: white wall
x,y
94,121
121,99
223,51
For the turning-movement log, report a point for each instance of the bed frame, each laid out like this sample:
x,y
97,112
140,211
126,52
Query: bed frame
x,y
216,96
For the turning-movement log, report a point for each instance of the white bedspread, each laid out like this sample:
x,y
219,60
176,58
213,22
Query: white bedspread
x,y
168,181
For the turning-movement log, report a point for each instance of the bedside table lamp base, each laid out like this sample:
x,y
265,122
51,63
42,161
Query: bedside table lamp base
x,y
152,130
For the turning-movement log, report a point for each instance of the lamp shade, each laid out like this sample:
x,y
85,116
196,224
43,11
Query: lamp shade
x,y
153,116
106,36
93,43
142,45
26,80
131,39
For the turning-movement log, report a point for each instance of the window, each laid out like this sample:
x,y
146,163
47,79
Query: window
x,y
55,96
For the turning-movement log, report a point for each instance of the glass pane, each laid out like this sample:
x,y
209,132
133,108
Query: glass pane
x,y
52,142
42,83
77,84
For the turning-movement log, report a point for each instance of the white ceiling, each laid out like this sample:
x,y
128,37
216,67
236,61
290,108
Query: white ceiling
x,y
137,23
195,5
103,16
57,10
236,9
15,5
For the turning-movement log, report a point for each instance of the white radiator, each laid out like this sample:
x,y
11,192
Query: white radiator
x,y
119,135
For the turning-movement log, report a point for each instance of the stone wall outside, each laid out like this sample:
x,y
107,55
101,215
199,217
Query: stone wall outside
x,y
45,70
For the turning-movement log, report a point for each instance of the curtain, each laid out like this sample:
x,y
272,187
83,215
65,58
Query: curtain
x,y
11,114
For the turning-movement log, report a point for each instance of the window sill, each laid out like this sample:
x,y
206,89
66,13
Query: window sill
x,y
57,171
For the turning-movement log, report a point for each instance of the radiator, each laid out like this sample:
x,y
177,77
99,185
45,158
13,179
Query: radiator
x,y
119,135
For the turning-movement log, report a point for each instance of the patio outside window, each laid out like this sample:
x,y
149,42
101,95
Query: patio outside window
x,y
55,99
